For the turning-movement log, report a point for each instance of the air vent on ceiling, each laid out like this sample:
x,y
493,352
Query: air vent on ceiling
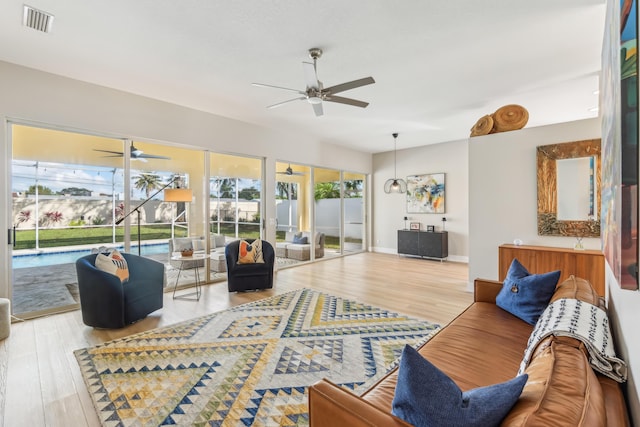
x,y
37,19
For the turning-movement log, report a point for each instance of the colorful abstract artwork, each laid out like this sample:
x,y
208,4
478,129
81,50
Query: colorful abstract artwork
x,y
620,142
425,193
610,95
629,144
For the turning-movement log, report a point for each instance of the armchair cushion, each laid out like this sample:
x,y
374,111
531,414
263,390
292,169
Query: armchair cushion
x,y
300,240
113,263
181,243
289,236
217,241
198,245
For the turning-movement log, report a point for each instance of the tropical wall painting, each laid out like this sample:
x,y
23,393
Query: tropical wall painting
x,y
425,193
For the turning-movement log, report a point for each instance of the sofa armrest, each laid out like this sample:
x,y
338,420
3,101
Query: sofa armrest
x,y
333,406
614,402
486,290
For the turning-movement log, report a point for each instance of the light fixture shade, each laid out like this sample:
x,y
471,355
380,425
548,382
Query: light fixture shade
x,y
395,185
178,195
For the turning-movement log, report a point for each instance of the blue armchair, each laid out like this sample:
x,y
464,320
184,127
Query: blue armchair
x,y
249,277
107,303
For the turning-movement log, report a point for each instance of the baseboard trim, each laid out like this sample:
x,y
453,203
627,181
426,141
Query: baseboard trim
x,y
393,251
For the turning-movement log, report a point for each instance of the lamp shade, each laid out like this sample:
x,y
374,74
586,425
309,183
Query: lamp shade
x,y
395,185
178,195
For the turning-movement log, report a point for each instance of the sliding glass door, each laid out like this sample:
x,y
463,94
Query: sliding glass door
x,y
65,199
328,209
353,190
73,193
235,207
327,206
235,194
162,223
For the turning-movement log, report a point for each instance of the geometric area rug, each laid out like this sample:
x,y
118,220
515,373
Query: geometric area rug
x,y
249,365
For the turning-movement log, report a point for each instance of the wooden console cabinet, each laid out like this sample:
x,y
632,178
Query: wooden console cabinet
x,y
427,244
587,264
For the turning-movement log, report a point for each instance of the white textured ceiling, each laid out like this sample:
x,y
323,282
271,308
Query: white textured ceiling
x,y
439,65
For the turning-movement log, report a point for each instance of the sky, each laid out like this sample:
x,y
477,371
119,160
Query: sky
x,y
58,176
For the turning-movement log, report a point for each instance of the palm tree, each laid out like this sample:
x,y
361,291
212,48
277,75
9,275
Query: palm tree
x,y
147,182
353,188
327,190
282,190
226,188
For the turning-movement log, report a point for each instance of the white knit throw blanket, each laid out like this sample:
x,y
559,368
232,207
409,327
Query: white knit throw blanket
x,y
583,321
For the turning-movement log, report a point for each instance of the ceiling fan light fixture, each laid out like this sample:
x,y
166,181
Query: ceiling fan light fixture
x,y
135,152
395,185
315,93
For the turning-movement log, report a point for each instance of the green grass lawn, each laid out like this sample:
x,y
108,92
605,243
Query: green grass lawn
x,y
54,237
87,235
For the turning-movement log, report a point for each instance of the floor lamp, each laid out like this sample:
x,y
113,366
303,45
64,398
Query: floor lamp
x,y
176,195
137,208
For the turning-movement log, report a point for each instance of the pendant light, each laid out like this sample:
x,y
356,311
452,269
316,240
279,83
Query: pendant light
x,y
395,185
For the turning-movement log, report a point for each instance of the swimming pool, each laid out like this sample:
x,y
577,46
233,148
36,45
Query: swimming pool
x,y
67,257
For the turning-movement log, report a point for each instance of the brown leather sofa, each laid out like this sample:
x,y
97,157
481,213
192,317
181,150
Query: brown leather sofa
x,y
485,345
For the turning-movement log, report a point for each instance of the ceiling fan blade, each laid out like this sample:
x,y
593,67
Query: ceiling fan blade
x,y
151,156
310,75
348,101
291,173
287,101
317,108
278,87
349,85
117,153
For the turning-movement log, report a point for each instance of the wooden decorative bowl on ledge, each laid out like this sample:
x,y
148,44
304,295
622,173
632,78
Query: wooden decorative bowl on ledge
x,y
186,252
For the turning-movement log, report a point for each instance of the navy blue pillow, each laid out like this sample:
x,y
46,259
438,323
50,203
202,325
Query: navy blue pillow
x,y
426,396
301,240
526,295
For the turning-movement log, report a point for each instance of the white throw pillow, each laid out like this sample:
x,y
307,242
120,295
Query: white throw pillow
x,y
113,263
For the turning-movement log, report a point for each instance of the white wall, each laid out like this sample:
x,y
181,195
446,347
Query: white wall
x,y
34,97
502,199
390,209
624,312
503,191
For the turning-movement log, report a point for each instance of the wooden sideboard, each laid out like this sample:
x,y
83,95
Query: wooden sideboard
x,y
587,264
426,244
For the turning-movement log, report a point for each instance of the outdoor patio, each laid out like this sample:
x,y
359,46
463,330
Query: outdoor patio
x,y
54,287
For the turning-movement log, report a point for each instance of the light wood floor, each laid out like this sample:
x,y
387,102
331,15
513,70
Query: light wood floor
x,y
41,384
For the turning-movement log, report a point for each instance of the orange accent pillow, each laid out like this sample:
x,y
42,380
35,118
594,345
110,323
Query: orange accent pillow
x,y
250,253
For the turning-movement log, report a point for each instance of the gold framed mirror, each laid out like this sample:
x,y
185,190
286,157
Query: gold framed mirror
x,y
569,189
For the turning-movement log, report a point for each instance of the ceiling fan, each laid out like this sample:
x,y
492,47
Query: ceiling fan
x,y
289,171
136,154
315,93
